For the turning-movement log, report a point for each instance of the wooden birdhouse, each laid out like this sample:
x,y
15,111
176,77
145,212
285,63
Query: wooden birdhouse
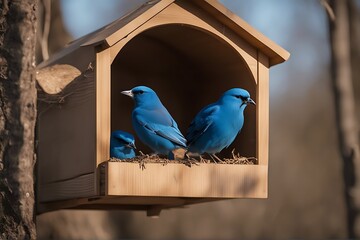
x,y
189,52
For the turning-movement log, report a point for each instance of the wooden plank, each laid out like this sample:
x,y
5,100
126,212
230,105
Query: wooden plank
x,y
99,36
121,203
178,180
276,53
79,187
103,96
136,22
262,108
103,110
64,120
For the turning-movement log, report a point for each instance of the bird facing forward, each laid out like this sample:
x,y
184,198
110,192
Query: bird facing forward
x,y
122,145
216,126
153,124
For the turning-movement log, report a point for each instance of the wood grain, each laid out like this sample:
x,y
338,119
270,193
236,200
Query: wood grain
x,y
178,180
103,96
82,186
262,108
55,78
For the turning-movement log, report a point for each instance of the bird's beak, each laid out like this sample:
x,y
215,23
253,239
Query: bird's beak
x,y
128,93
131,145
249,100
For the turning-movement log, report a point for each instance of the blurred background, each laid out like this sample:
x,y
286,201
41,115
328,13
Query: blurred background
x,y
306,186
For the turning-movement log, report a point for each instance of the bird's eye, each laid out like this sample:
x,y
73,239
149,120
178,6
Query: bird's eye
x,y
241,97
139,92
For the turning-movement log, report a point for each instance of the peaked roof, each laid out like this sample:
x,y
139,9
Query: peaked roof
x,y
276,53
120,28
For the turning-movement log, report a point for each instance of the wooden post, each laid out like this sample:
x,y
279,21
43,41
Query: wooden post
x,y
103,108
262,108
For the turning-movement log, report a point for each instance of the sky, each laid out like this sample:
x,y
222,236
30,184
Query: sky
x,y
298,26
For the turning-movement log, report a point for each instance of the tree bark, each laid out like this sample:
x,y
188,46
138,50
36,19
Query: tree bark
x,y
345,109
17,118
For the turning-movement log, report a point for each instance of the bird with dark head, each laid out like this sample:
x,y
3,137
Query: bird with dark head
x,y
152,122
216,126
122,145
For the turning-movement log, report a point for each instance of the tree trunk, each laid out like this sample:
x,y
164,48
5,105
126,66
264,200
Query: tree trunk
x,y
354,19
346,119
17,118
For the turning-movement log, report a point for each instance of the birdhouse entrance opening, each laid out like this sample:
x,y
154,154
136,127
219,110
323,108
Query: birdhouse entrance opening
x,y
189,68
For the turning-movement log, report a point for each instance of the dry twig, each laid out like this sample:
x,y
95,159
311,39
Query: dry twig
x,y
142,159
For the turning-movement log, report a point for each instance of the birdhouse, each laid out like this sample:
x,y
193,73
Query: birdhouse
x,y
189,52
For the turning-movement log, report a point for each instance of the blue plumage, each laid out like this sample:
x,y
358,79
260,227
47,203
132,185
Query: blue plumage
x,y
216,126
122,145
152,122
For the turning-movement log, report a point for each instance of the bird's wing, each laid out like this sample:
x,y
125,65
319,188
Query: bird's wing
x,y
161,123
201,122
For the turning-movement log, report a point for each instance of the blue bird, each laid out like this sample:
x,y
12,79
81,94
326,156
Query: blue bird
x,y
153,123
122,145
216,125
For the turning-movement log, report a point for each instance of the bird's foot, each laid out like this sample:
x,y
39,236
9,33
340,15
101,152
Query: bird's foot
x,y
213,157
233,153
201,159
142,164
188,161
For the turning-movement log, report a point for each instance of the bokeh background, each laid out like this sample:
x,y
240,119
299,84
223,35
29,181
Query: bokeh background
x,y
306,189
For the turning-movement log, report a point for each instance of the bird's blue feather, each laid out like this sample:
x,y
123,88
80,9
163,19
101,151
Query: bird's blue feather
x,y
153,123
201,123
216,125
122,145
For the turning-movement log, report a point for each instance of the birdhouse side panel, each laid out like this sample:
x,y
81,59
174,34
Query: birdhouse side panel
x,y
67,138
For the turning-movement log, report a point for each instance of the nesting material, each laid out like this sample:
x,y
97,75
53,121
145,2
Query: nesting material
x,y
142,159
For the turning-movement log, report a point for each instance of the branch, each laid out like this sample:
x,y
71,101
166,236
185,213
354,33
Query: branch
x,y
328,9
45,35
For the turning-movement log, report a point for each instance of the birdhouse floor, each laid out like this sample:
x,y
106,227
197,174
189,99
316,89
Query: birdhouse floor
x,y
142,159
152,186
201,180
